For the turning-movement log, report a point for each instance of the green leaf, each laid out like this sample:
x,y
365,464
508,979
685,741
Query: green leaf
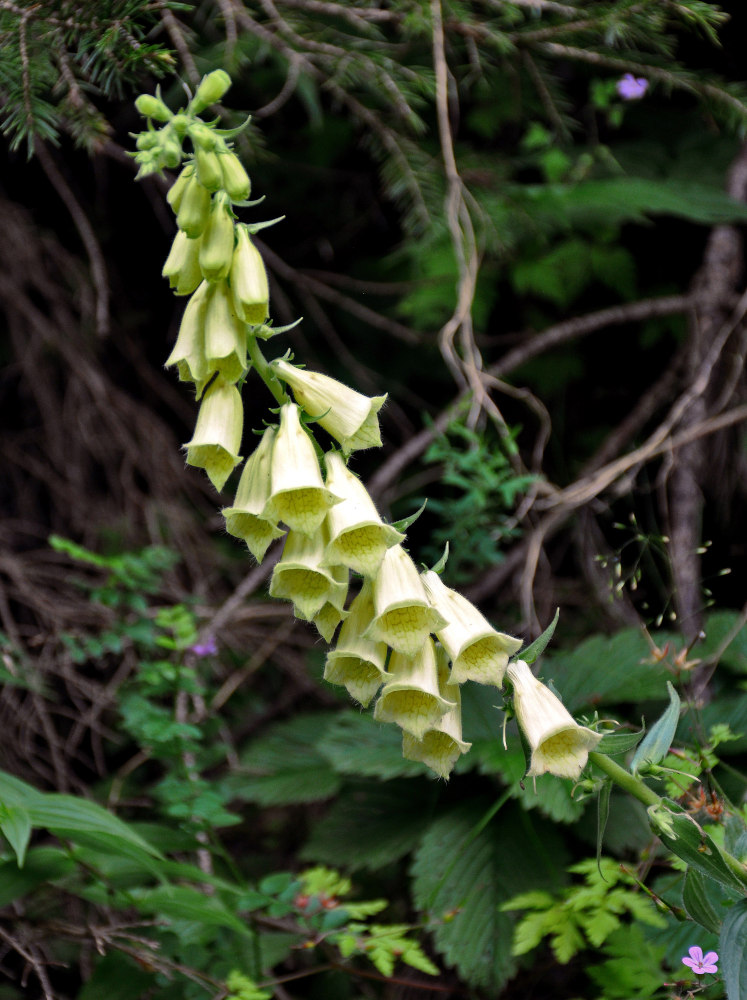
x,y
537,648
657,741
732,949
697,903
603,812
618,743
406,522
42,864
117,977
353,743
179,902
465,868
15,825
683,837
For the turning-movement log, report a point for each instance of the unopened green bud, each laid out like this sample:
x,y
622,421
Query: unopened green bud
x,y
208,169
194,210
171,150
182,266
236,181
216,250
181,123
249,280
147,140
176,191
202,136
212,87
151,107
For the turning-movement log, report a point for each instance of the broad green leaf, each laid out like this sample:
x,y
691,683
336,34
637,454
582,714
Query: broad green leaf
x,y
657,741
682,836
464,869
179,902
354,744
697,903
618,743
732,949
286,766
42,864
66,815
117,977
15,825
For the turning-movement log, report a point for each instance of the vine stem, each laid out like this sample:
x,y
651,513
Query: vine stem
x,y
261,366
639,790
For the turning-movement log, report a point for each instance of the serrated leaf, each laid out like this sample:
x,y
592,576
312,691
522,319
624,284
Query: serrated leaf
x,y
696,902
465,868
354,744
732,949
656,743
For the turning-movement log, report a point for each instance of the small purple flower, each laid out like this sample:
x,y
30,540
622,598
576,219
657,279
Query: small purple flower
x,y
208,647
700,963
632,88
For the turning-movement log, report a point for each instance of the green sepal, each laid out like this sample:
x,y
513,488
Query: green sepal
x,y
616,743
404,523
440,566
535,649
254,227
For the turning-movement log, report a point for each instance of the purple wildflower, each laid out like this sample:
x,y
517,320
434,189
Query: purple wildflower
x,y
632,88
207,647
700,963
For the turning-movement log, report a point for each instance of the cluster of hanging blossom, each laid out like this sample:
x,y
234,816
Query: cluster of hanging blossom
x,y
403,635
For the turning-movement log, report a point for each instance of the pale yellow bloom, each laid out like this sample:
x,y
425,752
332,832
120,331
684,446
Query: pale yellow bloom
x,y
558,744
182,266
349,416
358,663
245,518
298,495
412,699
358,536
403,613
225,335
217,437
477,651
189,350
300,576
249,280
333,611
440,747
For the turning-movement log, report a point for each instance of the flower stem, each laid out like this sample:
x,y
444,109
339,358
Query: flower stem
x,y
263,369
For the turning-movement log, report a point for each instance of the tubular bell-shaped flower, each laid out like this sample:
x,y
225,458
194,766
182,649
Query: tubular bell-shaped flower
x,y
298,495
225,335
189,350
300,577
332,612
411,698
403,614
182,266
440,747
217,437
357,663
349,416
558,744
477,651
358,536
248,279
245,518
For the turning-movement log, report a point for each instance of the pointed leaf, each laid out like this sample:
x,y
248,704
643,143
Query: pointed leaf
x,y
603,812
658,739
535,649
697,903
15,825
617,743
688,841
732,949
404,523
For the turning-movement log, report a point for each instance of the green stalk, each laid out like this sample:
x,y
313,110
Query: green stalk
x,y
262,368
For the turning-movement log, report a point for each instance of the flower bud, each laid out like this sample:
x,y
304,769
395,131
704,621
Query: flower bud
x,y
182,266
194,208
171,149
358,536
210,90
203,137
477,651
152,107
411,699
148,140
216,249
349,416
558,744
225,335
189,350
177,189
298,494
300,576
439,748
358,663
404,616
236,181
217,437
248,279
244,519
208,169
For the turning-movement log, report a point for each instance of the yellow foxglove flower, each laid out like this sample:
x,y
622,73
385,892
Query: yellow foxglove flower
x,y
440,747
248,279
189,350
236,181
244,519
300,576
411,697
194,208
217,438
182,266
477,651
358,663
358,536
298,495
559,745
349,416
176,191
225,335
403,613
333,611
216,245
